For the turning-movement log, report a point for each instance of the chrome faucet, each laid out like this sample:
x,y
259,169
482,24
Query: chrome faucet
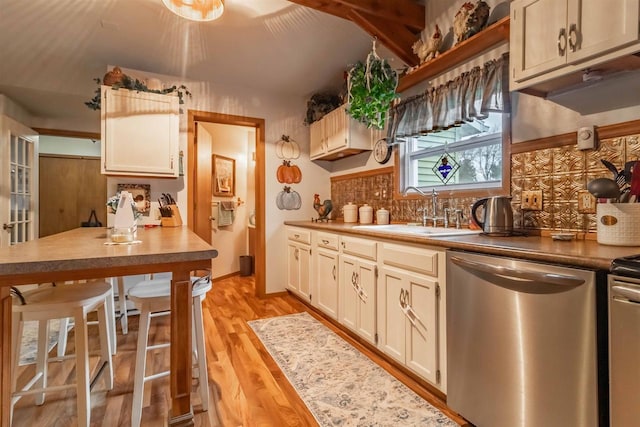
x,y
434,201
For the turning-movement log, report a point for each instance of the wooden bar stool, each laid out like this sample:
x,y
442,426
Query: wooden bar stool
x,y
57,302
152,298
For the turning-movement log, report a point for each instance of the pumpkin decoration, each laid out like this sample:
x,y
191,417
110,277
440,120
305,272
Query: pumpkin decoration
x,y
113,77
288,199
288,173
287,148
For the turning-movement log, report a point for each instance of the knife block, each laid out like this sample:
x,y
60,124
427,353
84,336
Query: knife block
x,y
175,220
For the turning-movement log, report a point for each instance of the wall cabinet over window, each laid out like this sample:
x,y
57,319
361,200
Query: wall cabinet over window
x,y
337,135
554,38
140,133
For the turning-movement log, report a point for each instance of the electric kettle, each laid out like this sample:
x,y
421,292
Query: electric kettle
x,y
498,215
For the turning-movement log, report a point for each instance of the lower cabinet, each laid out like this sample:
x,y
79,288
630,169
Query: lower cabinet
x,y
358,296
390,294
408,320
326,281
299,262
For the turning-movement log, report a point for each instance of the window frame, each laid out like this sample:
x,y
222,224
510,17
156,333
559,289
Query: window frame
x,y
444,192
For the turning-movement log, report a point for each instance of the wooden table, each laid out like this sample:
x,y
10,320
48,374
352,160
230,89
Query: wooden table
x,y
82,254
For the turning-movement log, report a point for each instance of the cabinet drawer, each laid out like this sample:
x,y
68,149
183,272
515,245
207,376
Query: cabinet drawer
x,y
329,241
359,247
298,235
420,260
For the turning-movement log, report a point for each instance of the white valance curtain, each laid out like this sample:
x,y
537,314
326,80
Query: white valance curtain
x,y
468,97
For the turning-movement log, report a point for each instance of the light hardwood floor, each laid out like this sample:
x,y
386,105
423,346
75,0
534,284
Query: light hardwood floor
x,y
247,387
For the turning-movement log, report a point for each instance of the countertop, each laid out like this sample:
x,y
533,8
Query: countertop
x,y
84,248
577,253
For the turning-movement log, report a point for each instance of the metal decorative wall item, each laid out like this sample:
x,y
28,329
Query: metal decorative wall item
x,y
288,199
287,148
224,176
141,194
288,173
445,168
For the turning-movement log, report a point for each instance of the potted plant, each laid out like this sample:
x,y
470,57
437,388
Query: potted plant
x,y
372,87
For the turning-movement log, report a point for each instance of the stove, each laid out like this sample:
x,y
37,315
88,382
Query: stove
x,y
627,266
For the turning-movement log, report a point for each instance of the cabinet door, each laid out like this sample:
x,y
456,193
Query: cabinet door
x,y
597,26
327,282
293,267
366,281
348,295
317,139
140,132
391,320
304,262
538,41
422,329
338,129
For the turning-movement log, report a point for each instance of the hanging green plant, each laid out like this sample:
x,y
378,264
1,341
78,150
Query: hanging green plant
x,y
372,87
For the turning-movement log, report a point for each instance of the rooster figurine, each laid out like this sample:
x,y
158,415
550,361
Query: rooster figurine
x,y
323,209
470,19
428,49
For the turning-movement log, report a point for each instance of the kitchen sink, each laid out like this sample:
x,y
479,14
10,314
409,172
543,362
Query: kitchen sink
x,y
418,230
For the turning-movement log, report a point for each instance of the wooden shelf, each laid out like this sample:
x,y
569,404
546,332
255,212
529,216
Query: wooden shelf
x,y
490,36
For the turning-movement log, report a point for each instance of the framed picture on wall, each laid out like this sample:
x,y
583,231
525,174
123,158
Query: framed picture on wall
x,y
224,176
141,194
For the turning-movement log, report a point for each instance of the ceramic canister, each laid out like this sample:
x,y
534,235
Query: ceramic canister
x,y
382,216
366,214
350,212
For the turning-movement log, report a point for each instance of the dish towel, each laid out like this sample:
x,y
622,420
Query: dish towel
x,y
226,213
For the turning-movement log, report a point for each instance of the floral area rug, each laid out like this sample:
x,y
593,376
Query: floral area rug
x,y
30,340
339,385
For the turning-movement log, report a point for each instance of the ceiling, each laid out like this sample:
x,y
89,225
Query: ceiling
x,y
52,50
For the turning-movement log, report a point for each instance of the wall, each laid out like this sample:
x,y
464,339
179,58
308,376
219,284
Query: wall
x,y
11,109
69,146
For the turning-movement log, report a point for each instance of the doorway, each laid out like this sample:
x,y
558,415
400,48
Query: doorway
x,y
200,182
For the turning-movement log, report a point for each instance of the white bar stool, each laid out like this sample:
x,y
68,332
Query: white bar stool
x,y
57,302
153,299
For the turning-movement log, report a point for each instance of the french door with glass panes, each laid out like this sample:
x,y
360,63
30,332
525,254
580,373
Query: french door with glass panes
x,y
18,183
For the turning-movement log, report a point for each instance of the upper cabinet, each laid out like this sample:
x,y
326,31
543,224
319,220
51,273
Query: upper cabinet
x,y
550,39
337,135
140,133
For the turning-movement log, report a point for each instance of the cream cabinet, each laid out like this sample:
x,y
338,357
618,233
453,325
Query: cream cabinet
x,y
409,308
140,133
325,261
337,135
552,38
357,286
299,262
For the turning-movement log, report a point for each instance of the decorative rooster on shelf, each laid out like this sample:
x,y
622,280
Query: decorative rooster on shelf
x,y
323,209
428,49
470,19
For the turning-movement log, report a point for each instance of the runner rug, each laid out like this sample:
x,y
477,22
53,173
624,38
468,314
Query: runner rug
x,y
340,385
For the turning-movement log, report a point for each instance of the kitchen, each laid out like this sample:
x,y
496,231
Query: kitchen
x,y
532,119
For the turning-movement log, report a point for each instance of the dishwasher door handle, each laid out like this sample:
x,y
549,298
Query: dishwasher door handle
x,y
517,275
630,294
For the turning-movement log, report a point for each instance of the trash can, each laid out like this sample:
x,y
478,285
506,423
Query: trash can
x,y
246,265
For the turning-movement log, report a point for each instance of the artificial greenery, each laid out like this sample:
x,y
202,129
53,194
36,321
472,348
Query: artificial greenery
x,y
372,88
135,84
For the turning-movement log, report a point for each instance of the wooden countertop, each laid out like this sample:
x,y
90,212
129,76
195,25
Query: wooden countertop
x,y
84,249
577,253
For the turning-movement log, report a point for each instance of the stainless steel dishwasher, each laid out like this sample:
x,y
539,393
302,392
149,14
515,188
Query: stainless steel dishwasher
x,y
624,345
521,342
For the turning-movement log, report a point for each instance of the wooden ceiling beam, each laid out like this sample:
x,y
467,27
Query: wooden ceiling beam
x,y
396,37
327,6
404,12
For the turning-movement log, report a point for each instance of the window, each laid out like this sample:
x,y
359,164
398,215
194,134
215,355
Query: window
x,y
472,153
456,135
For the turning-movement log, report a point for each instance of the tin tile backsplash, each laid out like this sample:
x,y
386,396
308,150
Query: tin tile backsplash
x,y
559,172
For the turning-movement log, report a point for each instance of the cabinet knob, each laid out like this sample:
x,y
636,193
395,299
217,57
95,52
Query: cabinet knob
x,y
573,37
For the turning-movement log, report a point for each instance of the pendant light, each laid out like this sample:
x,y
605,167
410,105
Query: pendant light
x,y
196,10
